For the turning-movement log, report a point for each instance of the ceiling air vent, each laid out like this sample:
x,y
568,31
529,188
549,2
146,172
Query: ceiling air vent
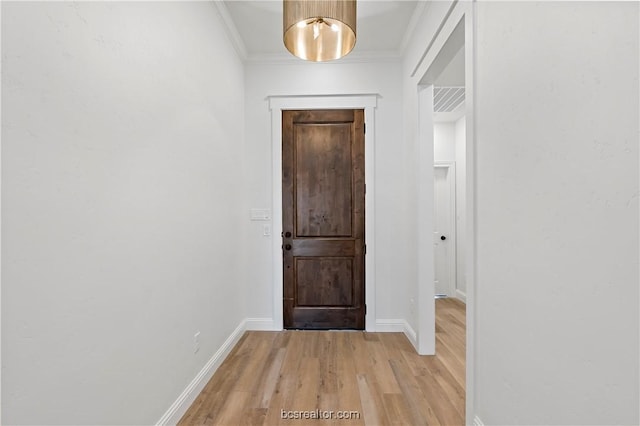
x,y
447,99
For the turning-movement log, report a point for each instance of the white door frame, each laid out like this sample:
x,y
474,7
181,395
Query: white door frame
x,y
451,248
426,319
277,104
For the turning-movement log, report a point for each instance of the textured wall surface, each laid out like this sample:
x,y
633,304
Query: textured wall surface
x,y
122,145
557,213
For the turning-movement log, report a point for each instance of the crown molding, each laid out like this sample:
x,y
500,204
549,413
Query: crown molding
x,y
286,58
355,57
231,29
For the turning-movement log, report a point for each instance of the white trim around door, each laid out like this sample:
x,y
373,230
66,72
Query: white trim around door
x,y
459,12
277,104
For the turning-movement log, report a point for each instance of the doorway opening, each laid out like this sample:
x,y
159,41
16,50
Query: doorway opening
x,y
446,123
278,104
449,154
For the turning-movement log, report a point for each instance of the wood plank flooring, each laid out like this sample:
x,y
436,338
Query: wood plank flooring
x,y
370,378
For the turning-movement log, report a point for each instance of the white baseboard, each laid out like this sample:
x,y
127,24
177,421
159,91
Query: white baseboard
x,y
390,325
461,295
477,421
411,335
260,324
397,326
191,392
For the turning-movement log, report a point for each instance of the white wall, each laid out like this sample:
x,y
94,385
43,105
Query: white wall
x,y
392,268
557,213
444,142
461,206
122,144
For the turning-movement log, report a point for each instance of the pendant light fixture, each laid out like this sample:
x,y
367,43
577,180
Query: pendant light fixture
x,y
319,30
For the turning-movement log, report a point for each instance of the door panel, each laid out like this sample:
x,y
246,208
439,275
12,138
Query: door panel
x,y
324,281
323,218
443,255
323,180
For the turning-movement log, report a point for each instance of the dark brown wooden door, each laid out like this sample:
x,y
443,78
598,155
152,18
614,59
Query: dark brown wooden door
x,y
323,219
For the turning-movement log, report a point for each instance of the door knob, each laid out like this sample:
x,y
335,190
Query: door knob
x,y
287,234
287,247
443,238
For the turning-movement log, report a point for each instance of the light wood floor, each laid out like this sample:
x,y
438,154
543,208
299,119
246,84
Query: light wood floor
x,y
378,376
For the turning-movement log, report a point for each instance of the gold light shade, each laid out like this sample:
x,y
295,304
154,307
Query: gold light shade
x,y
319,30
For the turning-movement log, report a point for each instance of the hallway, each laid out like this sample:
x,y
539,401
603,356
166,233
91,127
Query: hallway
x,y
142,199
370,378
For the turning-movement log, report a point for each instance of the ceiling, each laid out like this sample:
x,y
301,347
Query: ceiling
x,y
383,27
453,73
